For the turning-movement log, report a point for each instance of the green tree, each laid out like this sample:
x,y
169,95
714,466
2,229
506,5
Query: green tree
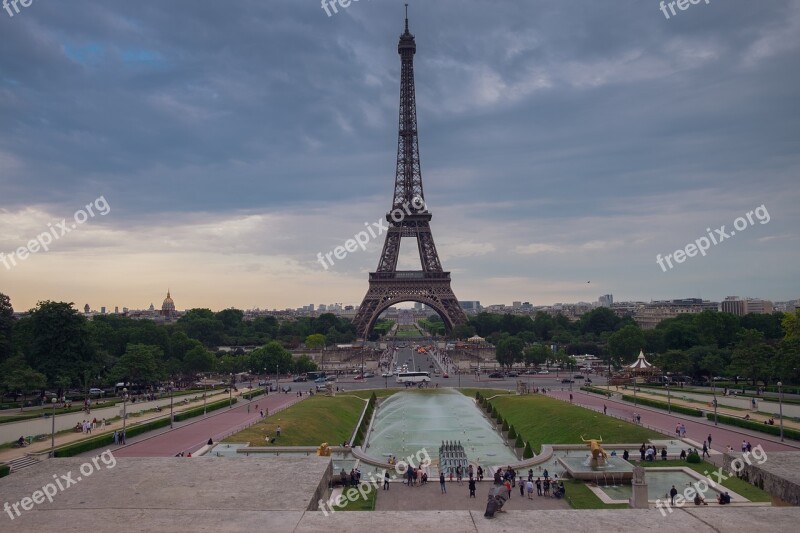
x,y
315,341
624,345
304,364
599,320
750,356
139,365
509,351
17,376
536,355
6,327
791,325
59,342
198,360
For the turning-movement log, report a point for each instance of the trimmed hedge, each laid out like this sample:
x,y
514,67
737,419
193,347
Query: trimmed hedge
x,y
788,433
362,427
694,458
512,434
4,470
197,411
518,443
691,411
528,453
587,388
252,394
505,425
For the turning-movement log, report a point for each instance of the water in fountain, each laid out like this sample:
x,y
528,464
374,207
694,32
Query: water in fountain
x,y
425,419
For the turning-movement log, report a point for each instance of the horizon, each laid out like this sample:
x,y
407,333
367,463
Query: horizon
x,y
567,151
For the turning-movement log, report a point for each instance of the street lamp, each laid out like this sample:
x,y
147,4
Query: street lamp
x,y
277,372
230,393
634,389
669,404
53,432
780,406
124,412
266,382
714,401
205,397
171,418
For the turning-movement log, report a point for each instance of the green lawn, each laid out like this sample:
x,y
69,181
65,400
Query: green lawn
x,y
580,496
309,423
751,492
543,420
360,504
407,331
486,393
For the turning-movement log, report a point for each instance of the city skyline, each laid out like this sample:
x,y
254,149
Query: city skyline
x,y
567,150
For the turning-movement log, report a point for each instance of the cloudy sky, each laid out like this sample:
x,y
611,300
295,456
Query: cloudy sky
x,y
562,142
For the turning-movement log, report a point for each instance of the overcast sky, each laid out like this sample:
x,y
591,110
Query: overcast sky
x,y
562,142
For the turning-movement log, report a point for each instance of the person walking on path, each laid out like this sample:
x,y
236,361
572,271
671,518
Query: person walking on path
x,y
441,483
705,451
709,441
521,489
605,409
386,480
278,432
538,486
672,493
471,485
530,489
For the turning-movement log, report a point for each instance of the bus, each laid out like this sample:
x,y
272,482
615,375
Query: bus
x,y
317,377
413,377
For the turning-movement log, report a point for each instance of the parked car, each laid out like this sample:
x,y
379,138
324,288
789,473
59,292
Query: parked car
x,y
387,374
298,379
96,392
495,375
512,374
567,380
330,378
369,375
262,383
577,376
544,371
286,388
588,381
445,375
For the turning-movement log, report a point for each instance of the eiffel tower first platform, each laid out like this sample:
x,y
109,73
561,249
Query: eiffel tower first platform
x,y
409,217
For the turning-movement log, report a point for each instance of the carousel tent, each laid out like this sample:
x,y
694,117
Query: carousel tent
x,y
641,364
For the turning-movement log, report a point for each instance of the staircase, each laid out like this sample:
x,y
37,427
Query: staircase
x,y
23,462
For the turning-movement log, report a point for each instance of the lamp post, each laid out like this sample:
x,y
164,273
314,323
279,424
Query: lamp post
x,y
714,401
634,389
780,406
277,372
669,404
171,418
230,393
124,412
205,397
266,382
53,431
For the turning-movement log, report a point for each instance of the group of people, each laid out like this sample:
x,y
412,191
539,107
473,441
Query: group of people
x,y
88,425
680,430
649,453
353,479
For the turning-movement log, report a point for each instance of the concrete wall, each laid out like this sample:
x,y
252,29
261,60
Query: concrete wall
x,y
779,475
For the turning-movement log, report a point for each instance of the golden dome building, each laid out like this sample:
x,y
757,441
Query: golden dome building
x,y
168,307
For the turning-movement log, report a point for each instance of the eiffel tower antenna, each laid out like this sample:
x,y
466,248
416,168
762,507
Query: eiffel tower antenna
x,y
408,218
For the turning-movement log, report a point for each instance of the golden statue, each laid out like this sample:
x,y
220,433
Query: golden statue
x,y
597,451
324,450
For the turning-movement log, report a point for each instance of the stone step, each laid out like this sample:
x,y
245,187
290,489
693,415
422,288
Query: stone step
x,y
22,462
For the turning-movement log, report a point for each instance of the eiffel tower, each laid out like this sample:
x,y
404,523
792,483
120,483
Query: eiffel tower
x,y
409,217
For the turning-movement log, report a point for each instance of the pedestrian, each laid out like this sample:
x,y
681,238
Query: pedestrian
x,y
508,488
521,489
546,487
278,432
642,450
570,397
441,482
261,412
480,473
672,493
664,454
116,437
744,446
458,474
471,485
705,450
103,425
530,474
605,409
410,475
709,441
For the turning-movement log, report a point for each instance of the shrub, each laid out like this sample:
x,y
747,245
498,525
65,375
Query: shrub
x,y
4,470
519,443
691,411
595,390
505,425
511,433
788,433
528,452
694,458
108,439
197,411
252,394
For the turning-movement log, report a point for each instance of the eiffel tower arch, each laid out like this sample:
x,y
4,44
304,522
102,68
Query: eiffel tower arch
x,y
408,218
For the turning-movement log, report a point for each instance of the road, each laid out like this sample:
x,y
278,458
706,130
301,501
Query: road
x,y
195,434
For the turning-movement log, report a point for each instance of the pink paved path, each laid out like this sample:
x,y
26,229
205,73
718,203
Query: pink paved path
x,y
696,429
192,436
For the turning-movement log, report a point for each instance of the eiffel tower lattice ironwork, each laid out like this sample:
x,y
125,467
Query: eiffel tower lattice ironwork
x,y
409,217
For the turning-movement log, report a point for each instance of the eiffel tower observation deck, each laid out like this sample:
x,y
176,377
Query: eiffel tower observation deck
x,y
408,218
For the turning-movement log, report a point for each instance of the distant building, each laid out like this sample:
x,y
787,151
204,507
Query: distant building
x,y
103,310
87,309
470,306
649,316
605,300
167,307
759,307
742,306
